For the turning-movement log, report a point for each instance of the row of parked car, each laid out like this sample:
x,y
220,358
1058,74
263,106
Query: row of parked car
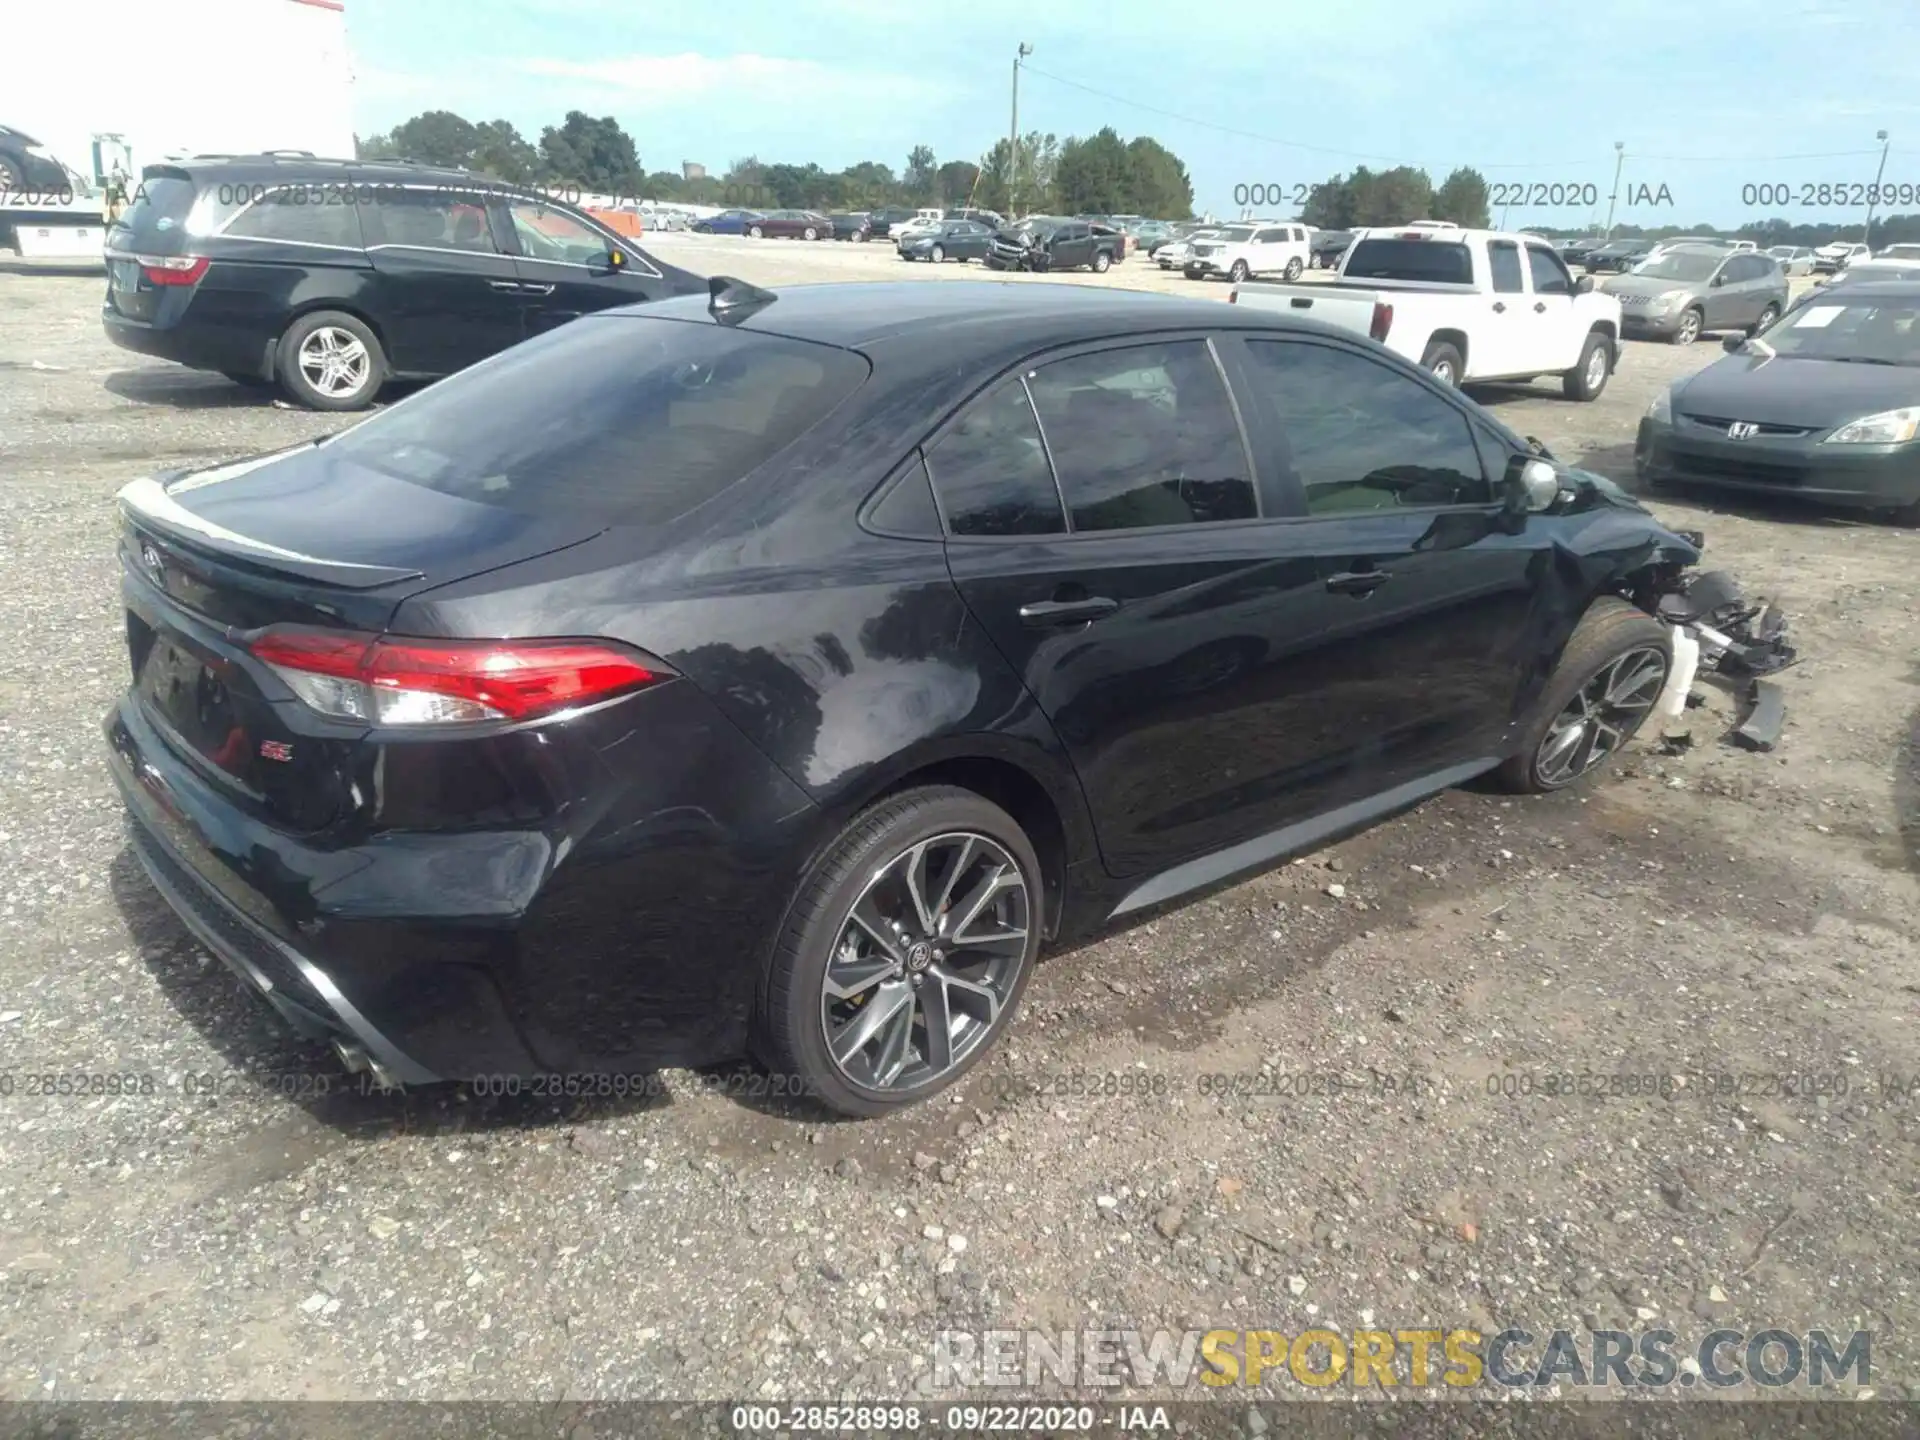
x,y
1599,255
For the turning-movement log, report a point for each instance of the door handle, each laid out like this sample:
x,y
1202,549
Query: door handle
x,y
1067,612
1499,307
505,287
1539,307
1357,582
527,288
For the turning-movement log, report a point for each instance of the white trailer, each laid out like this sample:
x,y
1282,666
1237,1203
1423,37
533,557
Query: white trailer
x,y
142,85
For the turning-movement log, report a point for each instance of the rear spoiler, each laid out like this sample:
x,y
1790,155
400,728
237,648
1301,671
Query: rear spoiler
x,y
146,502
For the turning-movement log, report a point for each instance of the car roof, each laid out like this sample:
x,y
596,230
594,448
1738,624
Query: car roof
x,y
1007,315
288,167
1871,290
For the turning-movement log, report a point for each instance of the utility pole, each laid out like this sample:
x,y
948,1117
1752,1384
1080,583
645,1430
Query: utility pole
x,y
1619,159
1013,129
1866,235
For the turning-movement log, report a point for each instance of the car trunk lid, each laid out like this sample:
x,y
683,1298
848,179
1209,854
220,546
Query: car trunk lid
x,y
149,248
297,538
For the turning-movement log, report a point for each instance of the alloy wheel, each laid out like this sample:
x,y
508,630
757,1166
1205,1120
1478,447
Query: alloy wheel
x,y
334,362
1602,715
925,962
1689,330
1597,368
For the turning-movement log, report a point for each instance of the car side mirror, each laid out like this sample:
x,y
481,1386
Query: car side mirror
x,y
1532,485
616,259
1719,280
1583,286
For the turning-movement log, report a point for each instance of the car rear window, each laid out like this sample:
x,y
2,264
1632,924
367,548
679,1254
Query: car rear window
x,y
156,214
1430,262
623,420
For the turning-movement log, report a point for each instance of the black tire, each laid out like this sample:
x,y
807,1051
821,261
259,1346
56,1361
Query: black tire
x,y
1692,322
789,1038
756,232
810,233
1767,317
1239,271
1293,270
1907,516
293,376
13,172
937,254
1610,630
1101,261
1581,382
1443,362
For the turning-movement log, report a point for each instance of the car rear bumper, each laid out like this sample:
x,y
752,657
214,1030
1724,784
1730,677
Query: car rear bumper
x,y
616,945
195,346
1876,476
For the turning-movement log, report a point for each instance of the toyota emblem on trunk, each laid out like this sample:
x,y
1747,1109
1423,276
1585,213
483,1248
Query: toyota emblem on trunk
x,y
1742,430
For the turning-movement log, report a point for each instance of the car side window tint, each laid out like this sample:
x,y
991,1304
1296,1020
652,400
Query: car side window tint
x,y
436,220
990,470
1144,436
545,233
907,507
1362,436
1550,275
300,215
1503,258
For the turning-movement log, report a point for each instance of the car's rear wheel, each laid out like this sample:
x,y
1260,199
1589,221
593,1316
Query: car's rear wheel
x,y
1101,261
1689,330
1589,376
1442,361
904,954
1608,679
331,361
1293,269
1767,317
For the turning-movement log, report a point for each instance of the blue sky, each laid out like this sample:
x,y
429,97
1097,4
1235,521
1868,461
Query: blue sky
x,y
1708,96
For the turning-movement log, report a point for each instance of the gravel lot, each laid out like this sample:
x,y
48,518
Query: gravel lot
x,y
1711,912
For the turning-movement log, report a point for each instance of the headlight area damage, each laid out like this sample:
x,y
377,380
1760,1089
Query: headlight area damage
x,y
1718,630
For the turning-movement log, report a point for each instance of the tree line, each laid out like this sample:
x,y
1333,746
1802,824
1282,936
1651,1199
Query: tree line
x,y
1099,174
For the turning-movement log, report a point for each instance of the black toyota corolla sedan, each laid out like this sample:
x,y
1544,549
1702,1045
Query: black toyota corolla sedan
x,y
775,673
1823,406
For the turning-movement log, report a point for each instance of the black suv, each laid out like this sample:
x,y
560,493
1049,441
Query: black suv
x,y
331,277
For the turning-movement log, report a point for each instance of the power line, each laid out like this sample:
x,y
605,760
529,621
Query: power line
x,y
1403,160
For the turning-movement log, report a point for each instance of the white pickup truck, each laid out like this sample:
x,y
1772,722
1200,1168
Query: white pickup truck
x,y
1466,305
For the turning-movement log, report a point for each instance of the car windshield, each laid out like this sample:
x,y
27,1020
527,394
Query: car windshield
x,y
1690,266
1877,332
1237,234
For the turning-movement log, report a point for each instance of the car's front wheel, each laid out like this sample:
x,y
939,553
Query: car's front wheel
x,y
1293,269
937,254
1765,322
1238,272
1606,684
331,361
904,955
1690,326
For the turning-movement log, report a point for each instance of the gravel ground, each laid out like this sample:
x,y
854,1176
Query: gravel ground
x,y
1712,912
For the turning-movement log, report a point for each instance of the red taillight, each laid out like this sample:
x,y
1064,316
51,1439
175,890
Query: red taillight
x,y
173,269
1382,320
396,681
1234,297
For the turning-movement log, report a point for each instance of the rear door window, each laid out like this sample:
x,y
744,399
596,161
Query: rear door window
x,y
300,215
990,470
1144,436
431,219
625,420
1503,259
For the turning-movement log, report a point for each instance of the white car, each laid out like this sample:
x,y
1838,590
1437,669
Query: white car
x,y
1242,251
1894,257
1465,305
1794,259
1173,254
1838,256
924,223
